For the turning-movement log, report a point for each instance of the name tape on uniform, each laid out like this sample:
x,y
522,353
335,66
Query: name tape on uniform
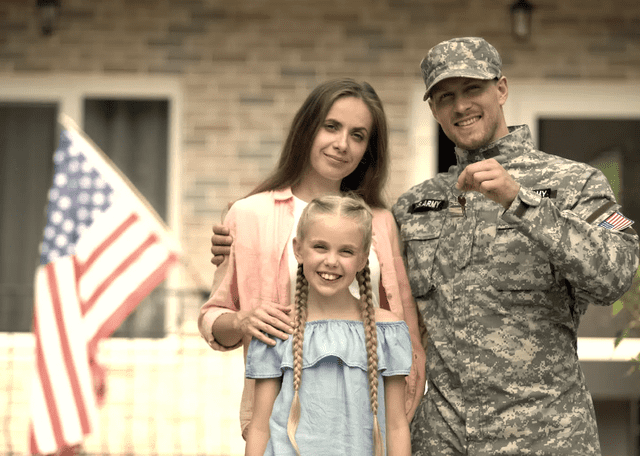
x,y
427,205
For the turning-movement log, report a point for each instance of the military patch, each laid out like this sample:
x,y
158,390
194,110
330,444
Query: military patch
x,y
427,205
547,192
616,221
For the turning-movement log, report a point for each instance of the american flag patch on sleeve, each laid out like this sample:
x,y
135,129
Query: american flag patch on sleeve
x,y
616,221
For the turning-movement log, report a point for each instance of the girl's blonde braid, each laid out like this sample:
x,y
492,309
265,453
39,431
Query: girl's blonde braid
x,y
302,291
371,339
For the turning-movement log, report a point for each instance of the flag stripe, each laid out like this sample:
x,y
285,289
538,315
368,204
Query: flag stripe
x,y
72,373
125,286
59,395
111,238
115,319
121,268
54,372
103,265
40,419
33,445
47,391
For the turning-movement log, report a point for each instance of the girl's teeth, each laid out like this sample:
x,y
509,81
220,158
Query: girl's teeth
x,y
329,276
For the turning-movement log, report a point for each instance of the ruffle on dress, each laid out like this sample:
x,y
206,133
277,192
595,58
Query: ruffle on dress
x,y
328,340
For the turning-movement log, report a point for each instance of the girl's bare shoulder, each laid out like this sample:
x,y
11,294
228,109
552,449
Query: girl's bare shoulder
x,y
386,315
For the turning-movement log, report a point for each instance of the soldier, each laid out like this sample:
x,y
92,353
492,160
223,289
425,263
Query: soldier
x,y
504,253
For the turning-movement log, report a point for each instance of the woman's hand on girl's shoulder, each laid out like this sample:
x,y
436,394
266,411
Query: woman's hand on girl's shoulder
x,y
386,315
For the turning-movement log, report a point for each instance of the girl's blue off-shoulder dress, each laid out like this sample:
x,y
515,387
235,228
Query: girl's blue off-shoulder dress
x,y
336,416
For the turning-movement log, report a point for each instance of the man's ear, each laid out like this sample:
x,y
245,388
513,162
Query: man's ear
x,y
503,90
432,107
297,250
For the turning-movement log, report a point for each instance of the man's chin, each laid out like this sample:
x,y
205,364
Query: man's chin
x,y
469,144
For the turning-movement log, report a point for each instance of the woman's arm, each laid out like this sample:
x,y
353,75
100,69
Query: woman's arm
x,y
223,303
416,381
266,391
223,322
397,433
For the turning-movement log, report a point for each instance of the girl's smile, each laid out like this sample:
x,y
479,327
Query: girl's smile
x,y
328,277
331,253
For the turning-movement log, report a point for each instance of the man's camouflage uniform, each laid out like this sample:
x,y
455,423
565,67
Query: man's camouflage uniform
x,y
502,293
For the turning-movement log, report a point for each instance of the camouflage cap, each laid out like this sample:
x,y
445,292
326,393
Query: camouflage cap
x,y
468,57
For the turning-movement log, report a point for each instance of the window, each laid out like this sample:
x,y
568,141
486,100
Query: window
x,y
27,138
133,134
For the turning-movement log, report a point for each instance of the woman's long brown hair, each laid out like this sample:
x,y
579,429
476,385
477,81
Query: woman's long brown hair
x,y
370,176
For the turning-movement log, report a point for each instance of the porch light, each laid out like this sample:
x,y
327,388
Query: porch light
x,y
521,12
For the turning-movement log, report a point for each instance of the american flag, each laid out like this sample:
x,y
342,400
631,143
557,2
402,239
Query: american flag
x,y
104,250
616,221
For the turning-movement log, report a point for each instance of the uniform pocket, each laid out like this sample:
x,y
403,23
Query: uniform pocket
x,y
421,242
517,263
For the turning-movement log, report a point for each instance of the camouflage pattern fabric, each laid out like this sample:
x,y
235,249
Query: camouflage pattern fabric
x,y
469,57
501,294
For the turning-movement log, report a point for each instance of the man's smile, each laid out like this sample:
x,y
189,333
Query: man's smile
x,y
467,122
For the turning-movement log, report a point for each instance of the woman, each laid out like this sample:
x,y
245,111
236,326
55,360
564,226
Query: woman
x,y
337,143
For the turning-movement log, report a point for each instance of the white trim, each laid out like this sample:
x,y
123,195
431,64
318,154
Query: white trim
x,y
603,349
423,139
529,100
113,351
69,90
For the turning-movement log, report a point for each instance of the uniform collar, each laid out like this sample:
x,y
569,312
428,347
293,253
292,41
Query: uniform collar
x,y
515,143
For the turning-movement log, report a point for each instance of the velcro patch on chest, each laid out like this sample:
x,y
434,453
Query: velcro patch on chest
x,y
547,192
427,205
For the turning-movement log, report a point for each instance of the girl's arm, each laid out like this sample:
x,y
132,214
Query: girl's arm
x,y
266,391
398,436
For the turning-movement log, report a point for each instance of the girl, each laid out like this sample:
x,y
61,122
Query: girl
x,y
318,393
338,142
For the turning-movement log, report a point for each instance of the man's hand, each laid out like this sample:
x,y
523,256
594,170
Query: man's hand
x,y
221,241
491,179
220,244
